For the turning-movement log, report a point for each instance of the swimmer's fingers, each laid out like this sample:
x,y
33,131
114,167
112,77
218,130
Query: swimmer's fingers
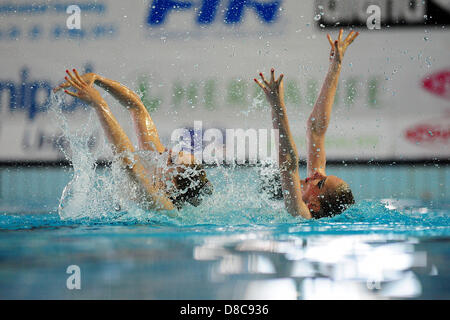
x,y
73,79
337,53
73,94
330,41
280,79
72,83
348,36
272,75
260,84
264,79
88,78
340,35
336,46
78,77
61,86
351,37
332,46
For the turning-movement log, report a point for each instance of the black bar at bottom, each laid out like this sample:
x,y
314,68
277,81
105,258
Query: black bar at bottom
x,y
229,309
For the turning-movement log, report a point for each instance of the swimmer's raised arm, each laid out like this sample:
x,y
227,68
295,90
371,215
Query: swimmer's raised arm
x,y
117,137
287,152
147,133
319,119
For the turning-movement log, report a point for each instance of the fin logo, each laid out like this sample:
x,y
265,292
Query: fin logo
x,y
207,10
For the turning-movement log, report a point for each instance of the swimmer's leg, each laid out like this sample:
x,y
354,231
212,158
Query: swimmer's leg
x,y
145,128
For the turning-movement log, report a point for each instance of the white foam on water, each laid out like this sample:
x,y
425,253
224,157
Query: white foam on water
x,y
92,192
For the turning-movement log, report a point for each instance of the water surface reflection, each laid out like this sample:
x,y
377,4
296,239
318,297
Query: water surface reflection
x,y
335,267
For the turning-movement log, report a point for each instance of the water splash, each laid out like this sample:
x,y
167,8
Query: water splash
x,y
102,196
92,192
105,193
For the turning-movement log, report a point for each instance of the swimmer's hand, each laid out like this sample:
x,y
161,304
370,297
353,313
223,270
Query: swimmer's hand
x,y
85,92
90,78
274,89
338,47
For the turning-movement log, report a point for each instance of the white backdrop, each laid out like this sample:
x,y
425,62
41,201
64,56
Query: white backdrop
x,y
393,100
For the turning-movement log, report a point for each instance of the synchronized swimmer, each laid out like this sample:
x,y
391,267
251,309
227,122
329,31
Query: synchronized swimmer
x,y
165,189
169,188
318,195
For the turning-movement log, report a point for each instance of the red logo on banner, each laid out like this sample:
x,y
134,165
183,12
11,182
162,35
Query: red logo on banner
x,y
430,133
438,83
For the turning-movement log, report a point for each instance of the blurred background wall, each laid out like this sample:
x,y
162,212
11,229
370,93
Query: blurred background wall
x,y
196,60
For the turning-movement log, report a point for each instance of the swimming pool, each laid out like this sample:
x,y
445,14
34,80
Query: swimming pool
x,y
237,245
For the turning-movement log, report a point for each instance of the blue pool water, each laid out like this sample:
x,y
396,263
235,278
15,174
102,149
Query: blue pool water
x,y
238,245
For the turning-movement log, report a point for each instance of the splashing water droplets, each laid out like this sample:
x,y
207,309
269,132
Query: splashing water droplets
x,y
106,195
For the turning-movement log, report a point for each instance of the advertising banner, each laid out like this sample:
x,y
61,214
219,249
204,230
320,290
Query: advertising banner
x,y
194,61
